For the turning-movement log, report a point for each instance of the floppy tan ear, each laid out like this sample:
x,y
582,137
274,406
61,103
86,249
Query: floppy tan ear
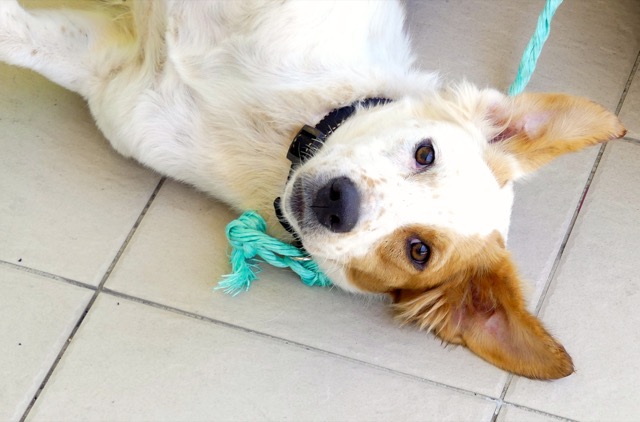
x,y
533,129
485,311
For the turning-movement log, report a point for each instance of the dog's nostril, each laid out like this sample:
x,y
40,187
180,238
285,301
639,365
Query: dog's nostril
x,y
336,205
334,193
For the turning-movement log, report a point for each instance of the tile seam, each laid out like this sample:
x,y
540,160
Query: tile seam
x,y
503,394
631,140
568,232
295,344
47,275
540,412
583,196
132,231
89,305
627,86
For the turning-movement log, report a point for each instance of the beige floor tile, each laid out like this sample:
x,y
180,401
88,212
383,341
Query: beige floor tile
x,y
590,51
543,208
179,253
133,362
630,113
514,414
36,317
67,200
594,300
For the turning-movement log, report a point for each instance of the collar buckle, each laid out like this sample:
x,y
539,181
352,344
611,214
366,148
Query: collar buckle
x,y
305,144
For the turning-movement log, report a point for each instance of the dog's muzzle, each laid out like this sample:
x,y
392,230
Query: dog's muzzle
x,y
336,205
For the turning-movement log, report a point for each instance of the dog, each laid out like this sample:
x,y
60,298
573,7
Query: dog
x,y
399,185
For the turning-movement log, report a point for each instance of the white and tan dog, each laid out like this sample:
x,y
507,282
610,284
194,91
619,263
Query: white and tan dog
x,y
410,197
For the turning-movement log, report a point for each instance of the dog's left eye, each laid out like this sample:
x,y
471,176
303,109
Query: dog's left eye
x,y
425,155
419,252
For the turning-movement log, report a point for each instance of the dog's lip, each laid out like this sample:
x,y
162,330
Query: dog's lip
x,y
297,202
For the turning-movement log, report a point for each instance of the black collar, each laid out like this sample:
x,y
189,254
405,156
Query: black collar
x,y
310,139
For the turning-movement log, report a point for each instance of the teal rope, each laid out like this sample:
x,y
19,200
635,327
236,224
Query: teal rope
x,y
534,48
250,243
247,235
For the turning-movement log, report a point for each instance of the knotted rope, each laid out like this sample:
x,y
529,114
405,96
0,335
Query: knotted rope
x,y
250,242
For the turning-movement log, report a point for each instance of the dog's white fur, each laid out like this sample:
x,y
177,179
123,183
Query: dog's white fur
x,y
211,93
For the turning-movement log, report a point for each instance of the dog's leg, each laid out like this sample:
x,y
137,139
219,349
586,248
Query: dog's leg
x,y
73,48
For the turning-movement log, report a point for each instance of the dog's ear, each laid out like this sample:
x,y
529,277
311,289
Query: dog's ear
x,y
483,309
529,130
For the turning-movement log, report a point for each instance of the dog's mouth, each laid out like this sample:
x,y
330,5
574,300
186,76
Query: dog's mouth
x,y
297,202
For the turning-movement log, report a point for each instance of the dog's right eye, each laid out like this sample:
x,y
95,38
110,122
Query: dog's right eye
x,y
419,252
425,154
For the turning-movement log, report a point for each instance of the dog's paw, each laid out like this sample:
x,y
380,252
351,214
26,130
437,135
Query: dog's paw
x,y
8,12
12,29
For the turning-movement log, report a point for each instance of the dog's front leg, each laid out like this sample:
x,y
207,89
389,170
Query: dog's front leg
x,y
59,44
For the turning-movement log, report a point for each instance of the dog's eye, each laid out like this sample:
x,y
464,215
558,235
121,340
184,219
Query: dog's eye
x,y
425,155
419,252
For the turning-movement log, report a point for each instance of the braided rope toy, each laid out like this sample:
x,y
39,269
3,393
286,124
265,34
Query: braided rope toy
x,y
247,235
249,241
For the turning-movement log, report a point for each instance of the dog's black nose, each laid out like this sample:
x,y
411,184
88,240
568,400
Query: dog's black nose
x,y
337,205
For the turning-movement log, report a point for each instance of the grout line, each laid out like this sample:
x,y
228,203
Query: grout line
x,y
631,140
583,196
296,344
569,231
98,290
131,232
499,402
555,265
540,412
503,394
45,274
496,411
625,91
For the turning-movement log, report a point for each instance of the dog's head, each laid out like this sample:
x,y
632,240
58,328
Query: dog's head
x,y
413,199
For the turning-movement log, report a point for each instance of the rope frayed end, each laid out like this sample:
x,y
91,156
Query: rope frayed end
x,y
244,271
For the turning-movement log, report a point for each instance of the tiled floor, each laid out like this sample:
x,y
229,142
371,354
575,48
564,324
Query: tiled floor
x,y
106,272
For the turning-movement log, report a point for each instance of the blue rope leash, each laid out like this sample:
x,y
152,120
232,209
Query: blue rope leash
x,y
534,48
247,235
